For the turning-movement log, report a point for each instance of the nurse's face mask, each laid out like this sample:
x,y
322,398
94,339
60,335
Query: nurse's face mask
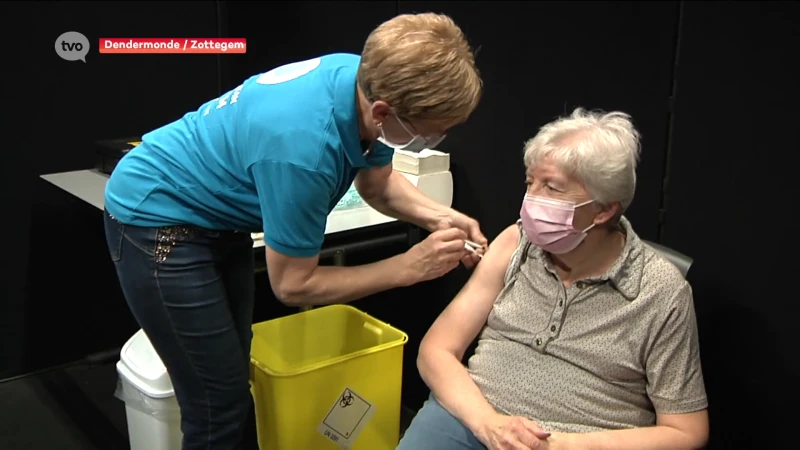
x,y
416,142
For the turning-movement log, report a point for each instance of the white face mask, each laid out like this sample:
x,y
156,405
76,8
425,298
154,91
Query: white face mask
x,y
416,144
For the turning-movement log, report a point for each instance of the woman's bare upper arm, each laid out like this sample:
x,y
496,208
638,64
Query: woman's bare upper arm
x,y
462,320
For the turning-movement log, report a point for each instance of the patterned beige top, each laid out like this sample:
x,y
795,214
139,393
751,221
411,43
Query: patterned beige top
x,y
605,353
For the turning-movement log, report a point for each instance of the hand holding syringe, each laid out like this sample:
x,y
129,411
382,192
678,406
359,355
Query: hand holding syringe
x,y
455,239
472,247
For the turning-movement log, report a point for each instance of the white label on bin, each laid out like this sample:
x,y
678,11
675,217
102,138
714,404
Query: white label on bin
x,y
346,418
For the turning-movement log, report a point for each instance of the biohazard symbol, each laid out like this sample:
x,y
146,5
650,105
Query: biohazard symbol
x,y
346,400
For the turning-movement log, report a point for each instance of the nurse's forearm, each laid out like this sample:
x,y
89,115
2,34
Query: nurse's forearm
x,y
332,284
402,200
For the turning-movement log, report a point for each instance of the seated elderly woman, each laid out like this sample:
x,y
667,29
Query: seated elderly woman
x,y
588,337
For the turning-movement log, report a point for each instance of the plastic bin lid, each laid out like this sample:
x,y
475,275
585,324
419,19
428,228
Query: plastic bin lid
x,y
141,366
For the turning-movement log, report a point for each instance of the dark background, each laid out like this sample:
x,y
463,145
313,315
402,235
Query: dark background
x,y
711,86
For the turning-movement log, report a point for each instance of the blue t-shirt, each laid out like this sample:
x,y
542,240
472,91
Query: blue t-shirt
x,y
274,155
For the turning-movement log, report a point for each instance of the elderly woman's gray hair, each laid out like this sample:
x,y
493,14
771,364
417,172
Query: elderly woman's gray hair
x,y
599,149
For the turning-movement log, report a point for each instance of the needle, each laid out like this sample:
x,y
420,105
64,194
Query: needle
x,y
473,244
469,246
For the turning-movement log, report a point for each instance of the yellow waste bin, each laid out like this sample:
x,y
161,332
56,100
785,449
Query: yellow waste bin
x,y
327,378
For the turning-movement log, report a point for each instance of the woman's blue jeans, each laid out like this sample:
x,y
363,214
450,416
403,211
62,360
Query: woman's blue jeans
x,y
192,291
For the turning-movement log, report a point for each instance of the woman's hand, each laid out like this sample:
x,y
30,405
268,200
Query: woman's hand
x,y
502,432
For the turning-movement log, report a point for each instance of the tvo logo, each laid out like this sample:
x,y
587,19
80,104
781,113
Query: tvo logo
x,y
72,46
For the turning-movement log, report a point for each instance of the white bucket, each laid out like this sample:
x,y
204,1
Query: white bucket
x,y
154,420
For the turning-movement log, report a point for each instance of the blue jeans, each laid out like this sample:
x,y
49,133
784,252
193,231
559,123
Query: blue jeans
x,y
434,428
192,291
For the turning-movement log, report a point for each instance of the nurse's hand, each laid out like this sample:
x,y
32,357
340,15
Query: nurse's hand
x,y
470,226
437,255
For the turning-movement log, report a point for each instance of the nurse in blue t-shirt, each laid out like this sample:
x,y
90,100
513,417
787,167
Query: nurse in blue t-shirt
x,y
275,155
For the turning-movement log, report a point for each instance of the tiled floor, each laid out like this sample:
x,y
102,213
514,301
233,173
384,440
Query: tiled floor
x,y
69,409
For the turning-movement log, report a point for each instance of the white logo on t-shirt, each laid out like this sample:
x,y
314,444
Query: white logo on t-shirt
x,y
288,72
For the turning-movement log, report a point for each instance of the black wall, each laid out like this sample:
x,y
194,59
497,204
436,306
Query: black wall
x,y
711,86
543,59
283,32
62,302
731,192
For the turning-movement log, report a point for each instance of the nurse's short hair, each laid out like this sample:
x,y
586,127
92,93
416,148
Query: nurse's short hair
x,y
599,149
422,66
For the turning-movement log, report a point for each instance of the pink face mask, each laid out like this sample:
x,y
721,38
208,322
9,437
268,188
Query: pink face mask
x,y
548,224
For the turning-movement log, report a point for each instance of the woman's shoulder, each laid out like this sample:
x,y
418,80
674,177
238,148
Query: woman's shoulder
x,y
509,238
502,249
